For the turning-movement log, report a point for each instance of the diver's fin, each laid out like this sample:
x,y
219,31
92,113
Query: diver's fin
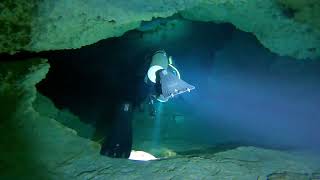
x,y
171,85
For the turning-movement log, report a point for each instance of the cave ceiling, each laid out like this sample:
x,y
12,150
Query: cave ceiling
x,y
52,25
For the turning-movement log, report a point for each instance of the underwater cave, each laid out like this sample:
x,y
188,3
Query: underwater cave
x,y
92,112
237,82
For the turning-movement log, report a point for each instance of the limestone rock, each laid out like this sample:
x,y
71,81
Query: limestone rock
x,y
307,11
288,176
267,21
45,107
40,25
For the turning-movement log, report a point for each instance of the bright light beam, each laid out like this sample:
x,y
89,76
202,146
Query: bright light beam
x,y
141,156
157,124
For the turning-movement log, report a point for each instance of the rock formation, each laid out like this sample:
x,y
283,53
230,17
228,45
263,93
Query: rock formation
x,y
50,25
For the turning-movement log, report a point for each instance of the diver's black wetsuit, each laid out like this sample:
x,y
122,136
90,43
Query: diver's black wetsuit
x,y
119,142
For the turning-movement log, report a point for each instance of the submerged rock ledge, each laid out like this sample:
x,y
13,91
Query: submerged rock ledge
x,y
34,146
50,25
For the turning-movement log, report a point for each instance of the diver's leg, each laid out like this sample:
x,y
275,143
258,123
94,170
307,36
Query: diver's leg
x,y
119,143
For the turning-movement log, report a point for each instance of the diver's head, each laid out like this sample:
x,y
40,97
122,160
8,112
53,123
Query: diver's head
x,y
159,62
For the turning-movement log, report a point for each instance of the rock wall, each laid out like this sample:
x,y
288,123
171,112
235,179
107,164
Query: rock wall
x,y
267,20
45,107
307,11
50,25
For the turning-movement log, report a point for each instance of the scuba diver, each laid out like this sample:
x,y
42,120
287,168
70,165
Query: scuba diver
x,y
164,82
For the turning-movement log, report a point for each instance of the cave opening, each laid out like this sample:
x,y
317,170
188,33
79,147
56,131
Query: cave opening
x,y
237,82
92,81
